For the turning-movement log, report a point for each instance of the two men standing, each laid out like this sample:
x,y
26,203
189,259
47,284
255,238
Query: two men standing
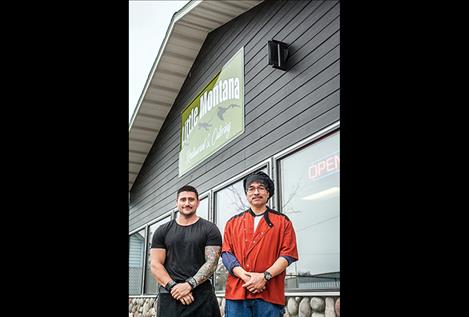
x,y
258,246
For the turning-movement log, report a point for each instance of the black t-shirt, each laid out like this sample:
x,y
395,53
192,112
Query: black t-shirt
x,y
185,246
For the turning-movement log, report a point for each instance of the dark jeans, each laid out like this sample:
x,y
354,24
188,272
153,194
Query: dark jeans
x,y
205,303
252,308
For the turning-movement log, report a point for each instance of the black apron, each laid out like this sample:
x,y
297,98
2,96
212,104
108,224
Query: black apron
x,y
205,303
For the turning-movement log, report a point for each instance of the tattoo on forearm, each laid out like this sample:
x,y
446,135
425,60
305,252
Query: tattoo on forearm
x,y
212,254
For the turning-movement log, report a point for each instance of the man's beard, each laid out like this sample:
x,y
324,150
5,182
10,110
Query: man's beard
x,y
187,213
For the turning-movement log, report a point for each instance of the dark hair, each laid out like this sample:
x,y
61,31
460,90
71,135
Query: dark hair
x,y
188,188
262,178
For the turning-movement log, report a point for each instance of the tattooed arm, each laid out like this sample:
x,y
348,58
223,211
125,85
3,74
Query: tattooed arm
x,y
212,253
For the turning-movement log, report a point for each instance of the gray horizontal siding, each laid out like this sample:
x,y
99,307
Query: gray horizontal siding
x,y
281,108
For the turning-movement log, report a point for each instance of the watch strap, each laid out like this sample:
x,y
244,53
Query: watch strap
x,y
170,285
192,282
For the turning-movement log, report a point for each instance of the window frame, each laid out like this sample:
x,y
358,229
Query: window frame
x,y
309,141
331,129
146,227
143,255
264,164
169,214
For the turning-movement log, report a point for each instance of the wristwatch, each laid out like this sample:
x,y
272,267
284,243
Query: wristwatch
x,y
267,276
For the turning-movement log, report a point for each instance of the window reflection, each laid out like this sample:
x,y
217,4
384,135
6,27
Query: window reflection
x,y
202,211
150,282
136,251
230,201
310,193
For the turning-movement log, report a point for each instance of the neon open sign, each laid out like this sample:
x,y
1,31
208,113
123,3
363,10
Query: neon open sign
x,y
324,167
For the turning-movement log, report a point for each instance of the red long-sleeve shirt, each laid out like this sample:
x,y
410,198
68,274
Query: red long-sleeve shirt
x,y
257,251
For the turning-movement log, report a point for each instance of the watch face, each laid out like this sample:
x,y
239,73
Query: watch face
x,y
267,276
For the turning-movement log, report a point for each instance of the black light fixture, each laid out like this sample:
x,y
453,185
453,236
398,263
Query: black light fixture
x,y
278,54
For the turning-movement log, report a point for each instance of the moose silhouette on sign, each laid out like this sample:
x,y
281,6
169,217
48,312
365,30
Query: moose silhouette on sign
x,y
221,110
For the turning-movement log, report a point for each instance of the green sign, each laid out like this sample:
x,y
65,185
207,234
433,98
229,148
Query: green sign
x,y
214,117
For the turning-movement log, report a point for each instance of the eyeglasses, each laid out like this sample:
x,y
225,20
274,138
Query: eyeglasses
x,y
260,189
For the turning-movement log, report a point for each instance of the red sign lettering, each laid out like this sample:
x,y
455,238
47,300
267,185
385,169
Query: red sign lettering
x,y
324,167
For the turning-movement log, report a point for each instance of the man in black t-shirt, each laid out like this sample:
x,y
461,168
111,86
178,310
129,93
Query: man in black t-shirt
x,y
184,254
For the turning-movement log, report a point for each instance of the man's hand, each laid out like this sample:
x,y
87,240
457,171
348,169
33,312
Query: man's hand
x,y
256,283
241,273
180,290
188,299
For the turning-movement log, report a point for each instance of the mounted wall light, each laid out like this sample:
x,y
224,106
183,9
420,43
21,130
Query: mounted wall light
x,y
278,54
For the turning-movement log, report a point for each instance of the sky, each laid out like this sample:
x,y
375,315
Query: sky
x,y
148,22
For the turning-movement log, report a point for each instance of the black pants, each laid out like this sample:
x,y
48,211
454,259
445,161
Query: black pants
x,y
204,305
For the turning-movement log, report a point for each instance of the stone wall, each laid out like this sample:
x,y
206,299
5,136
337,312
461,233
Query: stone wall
x,y
313,306
296,306
142,307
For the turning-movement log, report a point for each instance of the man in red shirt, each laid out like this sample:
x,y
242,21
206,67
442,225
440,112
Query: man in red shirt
x,y
258,246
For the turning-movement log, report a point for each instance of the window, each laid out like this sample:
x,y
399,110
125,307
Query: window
x,y
202,211
229,201
310,190
136,251
150,282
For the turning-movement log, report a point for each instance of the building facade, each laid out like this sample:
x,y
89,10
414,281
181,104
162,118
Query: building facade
x,y
290,128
